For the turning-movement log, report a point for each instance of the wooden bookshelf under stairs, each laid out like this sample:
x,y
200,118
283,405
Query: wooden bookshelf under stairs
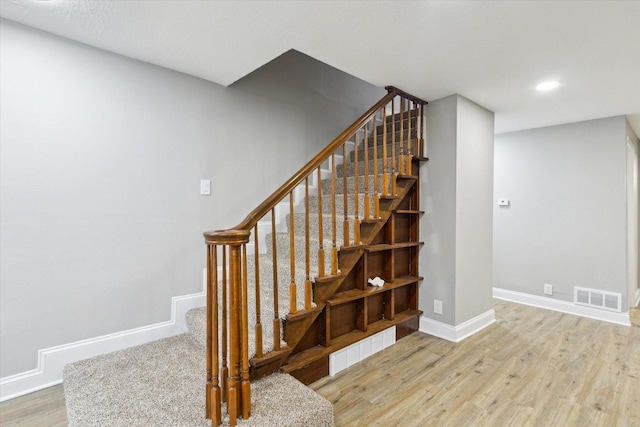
x,y
289,285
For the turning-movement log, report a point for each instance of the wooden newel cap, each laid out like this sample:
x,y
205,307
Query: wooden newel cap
x,y
227,237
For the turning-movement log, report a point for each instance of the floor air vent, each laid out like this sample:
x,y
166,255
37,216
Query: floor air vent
x,y
597,299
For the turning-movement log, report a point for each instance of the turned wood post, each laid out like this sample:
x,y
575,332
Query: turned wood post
x,y
238,388
213,405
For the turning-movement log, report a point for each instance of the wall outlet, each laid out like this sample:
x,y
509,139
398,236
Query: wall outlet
x,y
548,289
437,306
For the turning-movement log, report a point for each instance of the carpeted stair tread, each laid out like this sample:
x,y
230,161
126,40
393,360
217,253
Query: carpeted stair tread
x,y
327,205
197,324
326,184
380,151
283,249
299,221
397,117
390,134
162,383
196,317
351,167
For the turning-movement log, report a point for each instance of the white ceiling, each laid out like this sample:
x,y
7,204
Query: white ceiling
x,y
492,52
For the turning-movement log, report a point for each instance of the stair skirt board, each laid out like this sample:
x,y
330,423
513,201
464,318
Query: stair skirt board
x,y
356,352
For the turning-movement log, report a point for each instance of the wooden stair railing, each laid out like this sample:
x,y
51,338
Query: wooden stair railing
x,y
230,366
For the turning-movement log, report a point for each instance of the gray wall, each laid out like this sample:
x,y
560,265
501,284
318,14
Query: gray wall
x,y
438,224
634,140
101,158
566,224
457,193
474,211
319,93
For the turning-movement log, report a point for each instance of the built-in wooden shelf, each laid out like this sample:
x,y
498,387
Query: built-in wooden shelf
x,y
390,246
351,308
354,294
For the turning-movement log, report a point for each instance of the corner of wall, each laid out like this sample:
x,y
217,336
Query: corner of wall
x,y
459,332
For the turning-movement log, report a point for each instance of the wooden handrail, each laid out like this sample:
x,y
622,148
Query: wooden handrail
x,y
252,219
393,89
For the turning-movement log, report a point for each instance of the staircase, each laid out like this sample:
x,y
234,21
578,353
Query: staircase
x,y
288,286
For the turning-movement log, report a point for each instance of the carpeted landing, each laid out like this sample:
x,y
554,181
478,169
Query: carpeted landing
x,y
161,383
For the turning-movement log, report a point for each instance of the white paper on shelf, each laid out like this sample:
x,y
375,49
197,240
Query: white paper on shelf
x,y
376,281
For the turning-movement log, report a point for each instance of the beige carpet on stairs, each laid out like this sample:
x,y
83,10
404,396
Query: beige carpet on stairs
x,y
161,383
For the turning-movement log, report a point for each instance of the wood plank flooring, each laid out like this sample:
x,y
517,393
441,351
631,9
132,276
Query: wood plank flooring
x,y
532,368
44,408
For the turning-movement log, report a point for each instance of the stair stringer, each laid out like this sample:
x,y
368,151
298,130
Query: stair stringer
x,y
297,325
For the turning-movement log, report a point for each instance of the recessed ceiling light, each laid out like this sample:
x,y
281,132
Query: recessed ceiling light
x,y
544,86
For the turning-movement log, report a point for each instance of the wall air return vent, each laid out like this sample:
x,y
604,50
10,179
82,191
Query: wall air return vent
x,y
597,299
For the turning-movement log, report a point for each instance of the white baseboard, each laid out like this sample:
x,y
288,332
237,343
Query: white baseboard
x,y
51,361
562,306
459,332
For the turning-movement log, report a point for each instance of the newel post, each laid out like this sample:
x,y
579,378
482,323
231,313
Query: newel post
x,y
236,386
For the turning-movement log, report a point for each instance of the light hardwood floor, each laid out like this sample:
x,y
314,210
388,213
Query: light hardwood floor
x,y
532,368
44,408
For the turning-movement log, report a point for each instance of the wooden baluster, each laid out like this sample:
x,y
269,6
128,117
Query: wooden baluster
x,y
258,327
356,203
292,258
214,396
367,201
207,387
225,367
401,155
245,385
407,161
416,151
334,248
320,230
233,398
345,198
416,136
376,194
422,123
385,170
276,315
394,174
307,255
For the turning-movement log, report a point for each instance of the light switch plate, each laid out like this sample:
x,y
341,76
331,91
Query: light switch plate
x,y
205,187
503,202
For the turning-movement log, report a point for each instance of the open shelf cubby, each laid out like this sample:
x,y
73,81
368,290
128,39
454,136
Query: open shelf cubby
x,y
391,255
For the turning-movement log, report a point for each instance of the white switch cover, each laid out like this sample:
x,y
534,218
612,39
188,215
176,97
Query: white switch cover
x,y
503,202
205,187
